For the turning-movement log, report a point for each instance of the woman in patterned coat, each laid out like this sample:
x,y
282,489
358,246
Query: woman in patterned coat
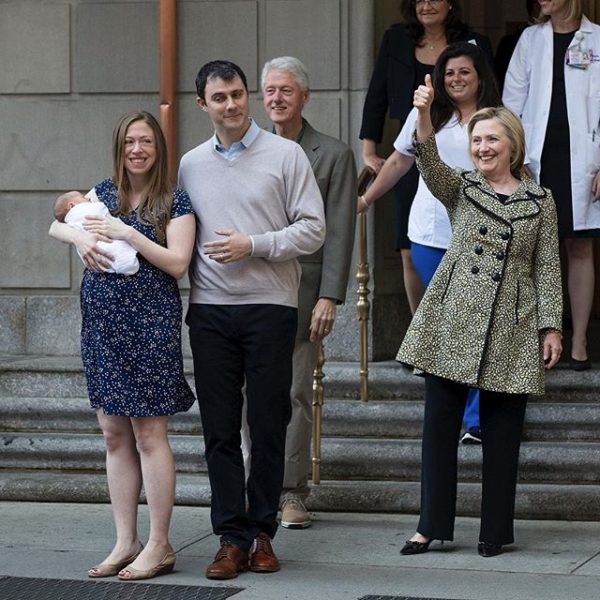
x,y
490,319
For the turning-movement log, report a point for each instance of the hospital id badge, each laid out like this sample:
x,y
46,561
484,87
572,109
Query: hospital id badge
x,y
578,58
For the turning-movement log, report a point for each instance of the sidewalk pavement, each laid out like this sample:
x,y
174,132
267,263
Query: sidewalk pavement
x,y
341,557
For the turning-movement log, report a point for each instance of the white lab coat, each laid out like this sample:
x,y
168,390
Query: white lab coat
x,y
527,92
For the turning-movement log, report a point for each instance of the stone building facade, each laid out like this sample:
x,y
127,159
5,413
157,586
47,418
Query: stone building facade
x,y
70,68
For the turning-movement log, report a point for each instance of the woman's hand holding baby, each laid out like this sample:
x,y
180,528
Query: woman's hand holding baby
x,y
108,227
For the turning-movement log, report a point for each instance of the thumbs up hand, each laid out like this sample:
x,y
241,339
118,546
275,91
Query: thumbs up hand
x,y
424,96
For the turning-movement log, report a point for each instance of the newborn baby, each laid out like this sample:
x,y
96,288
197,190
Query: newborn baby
x,y
73,207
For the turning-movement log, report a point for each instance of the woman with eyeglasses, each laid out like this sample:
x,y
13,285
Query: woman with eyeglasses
x,y
408,52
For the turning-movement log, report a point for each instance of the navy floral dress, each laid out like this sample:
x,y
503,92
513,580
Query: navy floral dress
x,y
131,331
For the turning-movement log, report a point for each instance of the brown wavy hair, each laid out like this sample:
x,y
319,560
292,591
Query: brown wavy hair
x,y
443,107
155,207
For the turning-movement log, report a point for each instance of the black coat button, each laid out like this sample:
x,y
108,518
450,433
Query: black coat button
x,y
496,277
500,256
475,269
505,235
483,230
478,249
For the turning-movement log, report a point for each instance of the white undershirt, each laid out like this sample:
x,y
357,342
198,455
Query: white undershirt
x,y
428,222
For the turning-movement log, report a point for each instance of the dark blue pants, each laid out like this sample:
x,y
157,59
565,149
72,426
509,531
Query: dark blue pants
x,y
426,260
502,417
233,345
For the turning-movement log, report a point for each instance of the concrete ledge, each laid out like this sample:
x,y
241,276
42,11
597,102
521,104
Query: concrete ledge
x,y
72,415
87,487
72,451
388,380
57,376
342,458
572,503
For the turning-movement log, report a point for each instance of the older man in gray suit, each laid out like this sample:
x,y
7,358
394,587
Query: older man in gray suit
x,y
324,274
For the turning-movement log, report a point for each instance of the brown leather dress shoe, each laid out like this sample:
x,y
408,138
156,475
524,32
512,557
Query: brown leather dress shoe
x,y
229,561
262,557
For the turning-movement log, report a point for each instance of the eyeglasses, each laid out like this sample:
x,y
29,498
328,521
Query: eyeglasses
x,y
432,2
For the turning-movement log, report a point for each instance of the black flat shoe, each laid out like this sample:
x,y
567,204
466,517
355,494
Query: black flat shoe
x,y
487,550
580,365
415,547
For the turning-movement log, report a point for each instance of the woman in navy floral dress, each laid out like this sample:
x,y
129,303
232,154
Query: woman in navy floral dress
x,y
131,339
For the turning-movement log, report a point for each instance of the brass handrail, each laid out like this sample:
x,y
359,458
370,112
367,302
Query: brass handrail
x,y
317,405
362,277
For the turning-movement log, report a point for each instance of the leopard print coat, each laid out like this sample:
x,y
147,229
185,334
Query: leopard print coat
x,y
483,316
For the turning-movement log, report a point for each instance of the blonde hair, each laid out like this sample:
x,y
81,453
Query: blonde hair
x,y
513,129
155,207
575,12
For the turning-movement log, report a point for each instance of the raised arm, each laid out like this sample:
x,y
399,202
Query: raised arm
x,y
423,100
443,181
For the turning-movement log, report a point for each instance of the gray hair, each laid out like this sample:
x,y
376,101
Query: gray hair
x,y
287,63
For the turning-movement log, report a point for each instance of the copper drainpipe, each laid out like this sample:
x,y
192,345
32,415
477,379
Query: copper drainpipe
x,y
168,80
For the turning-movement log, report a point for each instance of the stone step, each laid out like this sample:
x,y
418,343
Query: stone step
x,y
342,458
72,415
389,380
55,376
341,418
533,501
63,377
404,419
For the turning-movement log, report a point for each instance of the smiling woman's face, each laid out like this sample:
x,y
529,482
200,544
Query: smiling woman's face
x,y
140,148
461,80
432,13
491,148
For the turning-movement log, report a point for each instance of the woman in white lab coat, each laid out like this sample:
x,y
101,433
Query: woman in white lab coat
x,y
553,82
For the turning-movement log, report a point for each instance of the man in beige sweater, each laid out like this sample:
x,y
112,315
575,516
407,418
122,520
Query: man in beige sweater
x,y
258,208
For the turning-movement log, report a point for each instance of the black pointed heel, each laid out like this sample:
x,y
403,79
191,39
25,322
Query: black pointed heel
x,y
411,547
488,550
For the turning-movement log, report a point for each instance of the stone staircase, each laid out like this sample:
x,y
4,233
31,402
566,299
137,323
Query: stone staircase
x,y
51,448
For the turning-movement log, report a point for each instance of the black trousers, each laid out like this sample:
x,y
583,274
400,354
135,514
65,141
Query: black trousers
x,y
501,417
251,343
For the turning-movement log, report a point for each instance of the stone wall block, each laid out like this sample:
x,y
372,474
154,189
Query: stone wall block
x,y
12,324
309,30
53,325
34,46
30,258
61,143
117,47
217,30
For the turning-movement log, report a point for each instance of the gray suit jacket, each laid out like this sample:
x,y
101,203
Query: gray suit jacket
x,y
325,273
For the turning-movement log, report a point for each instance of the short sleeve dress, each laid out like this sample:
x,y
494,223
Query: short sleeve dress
x,y
131,331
